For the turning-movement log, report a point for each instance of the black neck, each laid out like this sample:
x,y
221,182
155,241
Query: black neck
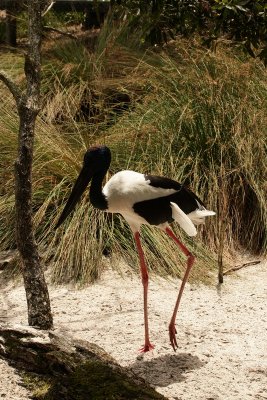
x,y
97,197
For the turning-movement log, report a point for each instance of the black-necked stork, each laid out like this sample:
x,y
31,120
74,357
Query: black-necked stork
x,y
140,199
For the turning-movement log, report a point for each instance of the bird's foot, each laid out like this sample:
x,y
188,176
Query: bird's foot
x,y
147,347
172,334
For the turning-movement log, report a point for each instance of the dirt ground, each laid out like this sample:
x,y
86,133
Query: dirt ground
x,y
222,332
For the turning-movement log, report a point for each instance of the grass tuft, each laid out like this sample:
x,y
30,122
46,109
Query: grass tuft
x,y
184,112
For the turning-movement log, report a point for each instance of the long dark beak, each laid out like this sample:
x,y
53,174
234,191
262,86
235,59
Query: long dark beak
x,y
78,189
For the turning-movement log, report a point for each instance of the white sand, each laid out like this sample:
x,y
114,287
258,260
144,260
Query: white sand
x,y
222,336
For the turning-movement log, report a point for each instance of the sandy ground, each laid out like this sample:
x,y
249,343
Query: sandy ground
x,y
222,333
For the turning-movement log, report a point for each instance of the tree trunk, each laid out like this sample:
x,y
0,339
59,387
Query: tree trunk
x,y
28,104
39,312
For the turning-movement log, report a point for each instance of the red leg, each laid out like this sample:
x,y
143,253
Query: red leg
x,y
144,274
190,261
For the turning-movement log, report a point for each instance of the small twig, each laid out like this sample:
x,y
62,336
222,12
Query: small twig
x,y
48,8
12,86
48,28
237,267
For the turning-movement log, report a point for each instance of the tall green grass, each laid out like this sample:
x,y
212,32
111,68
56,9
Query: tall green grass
x,y
196,116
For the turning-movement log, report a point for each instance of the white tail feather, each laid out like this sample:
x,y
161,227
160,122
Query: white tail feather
x,y
198,216
185,223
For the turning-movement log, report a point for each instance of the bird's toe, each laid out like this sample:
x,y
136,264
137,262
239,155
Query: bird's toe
x,y
172,334
147,347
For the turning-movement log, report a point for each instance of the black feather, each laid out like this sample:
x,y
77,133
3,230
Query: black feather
x,y
158,211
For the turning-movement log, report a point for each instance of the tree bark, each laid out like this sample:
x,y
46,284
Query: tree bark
x,y
28,104
39,312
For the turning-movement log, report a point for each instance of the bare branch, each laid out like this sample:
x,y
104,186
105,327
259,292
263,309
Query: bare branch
x,y
237,267
12,86
49,28
48,8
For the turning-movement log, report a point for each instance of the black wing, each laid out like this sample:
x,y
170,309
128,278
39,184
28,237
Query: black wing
x,y
158,211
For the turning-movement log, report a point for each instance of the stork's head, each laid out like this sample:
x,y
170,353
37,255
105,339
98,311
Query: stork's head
x,y
96,162
97,159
